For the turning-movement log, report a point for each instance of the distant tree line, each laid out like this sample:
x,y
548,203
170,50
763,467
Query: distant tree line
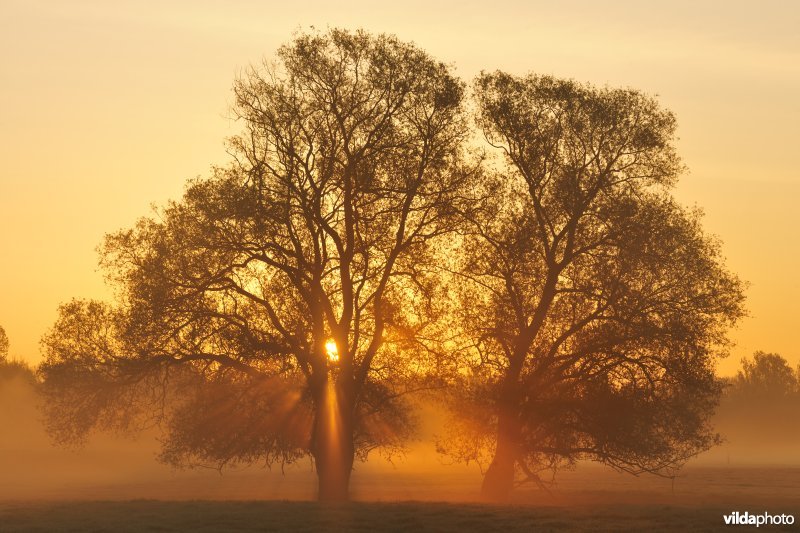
x,y
765,375
758,413
3,344
10,369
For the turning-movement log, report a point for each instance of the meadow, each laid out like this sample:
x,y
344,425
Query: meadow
x,y
150,515
588,499
115,484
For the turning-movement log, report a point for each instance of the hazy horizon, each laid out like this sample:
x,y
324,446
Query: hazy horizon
x,y
109,109
111,466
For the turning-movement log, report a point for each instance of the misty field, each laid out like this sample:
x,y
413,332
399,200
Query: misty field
x,y
115,484
588,499
146,515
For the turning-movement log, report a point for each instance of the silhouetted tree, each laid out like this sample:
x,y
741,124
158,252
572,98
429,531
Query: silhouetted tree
x,y
594,301
11,369
3,344
281,301
758,410
766,375
17,370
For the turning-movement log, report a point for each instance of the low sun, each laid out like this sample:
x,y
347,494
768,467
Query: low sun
x,y
332,350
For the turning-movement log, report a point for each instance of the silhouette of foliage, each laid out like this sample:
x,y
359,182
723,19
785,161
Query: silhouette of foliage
x,y
19,370
285,306
765,375
322,230
10,369
3,344
758,410
595,303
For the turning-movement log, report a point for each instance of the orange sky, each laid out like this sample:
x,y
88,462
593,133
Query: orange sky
x,y
108,107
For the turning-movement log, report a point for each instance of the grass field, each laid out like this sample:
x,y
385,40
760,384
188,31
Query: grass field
x,y
207,516
116,485
589,499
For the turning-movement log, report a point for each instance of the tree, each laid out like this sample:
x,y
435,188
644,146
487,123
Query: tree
x,y
281,302
766,375
10,369
758,409
3,344
595,304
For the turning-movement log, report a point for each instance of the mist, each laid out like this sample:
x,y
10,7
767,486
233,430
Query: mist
x,y
109,466
121,467
758,451
756,432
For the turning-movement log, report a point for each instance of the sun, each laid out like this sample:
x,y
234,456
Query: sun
x,y
332,350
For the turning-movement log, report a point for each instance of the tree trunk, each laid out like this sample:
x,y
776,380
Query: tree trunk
x,y
333,475
332,445
499,478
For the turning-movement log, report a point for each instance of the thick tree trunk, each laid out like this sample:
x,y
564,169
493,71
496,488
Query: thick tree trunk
x,y
332,445
333,475
499,478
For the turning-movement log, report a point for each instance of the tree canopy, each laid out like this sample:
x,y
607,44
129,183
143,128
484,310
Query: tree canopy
x,y
3,344
595,303
765,375
358,248
759,407
290,284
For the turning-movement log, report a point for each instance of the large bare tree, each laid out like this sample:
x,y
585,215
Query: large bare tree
x,y
595,303
277,309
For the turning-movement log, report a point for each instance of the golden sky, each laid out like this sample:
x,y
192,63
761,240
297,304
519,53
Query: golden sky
x,y
108,107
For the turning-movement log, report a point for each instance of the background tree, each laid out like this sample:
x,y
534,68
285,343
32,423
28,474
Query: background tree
x,y
595,303
279,301
765,375
3,344
11,369
757,414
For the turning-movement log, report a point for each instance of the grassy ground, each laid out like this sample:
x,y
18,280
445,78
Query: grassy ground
x,y
207,516
588,499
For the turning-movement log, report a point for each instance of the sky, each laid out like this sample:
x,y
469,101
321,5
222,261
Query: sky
x,y
107,108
